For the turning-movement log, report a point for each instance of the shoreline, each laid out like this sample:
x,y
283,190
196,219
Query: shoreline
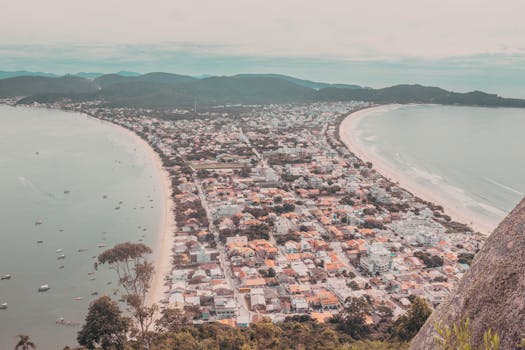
x,y
348,131
165,239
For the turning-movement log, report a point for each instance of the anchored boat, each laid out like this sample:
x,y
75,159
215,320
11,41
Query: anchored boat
x,y
44,288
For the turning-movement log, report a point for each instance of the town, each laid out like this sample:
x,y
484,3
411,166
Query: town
x,y
276,217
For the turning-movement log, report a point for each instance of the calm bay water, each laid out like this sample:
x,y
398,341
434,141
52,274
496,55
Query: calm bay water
x,y
43,154
474,157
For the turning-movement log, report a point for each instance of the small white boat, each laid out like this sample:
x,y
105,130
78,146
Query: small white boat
x,y
79,298
61,257
44,288
59,250
102,245
6,277
3,306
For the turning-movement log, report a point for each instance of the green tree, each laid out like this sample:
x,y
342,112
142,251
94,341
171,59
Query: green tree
x,y
134,273
24,343
104,325
352,320
407,326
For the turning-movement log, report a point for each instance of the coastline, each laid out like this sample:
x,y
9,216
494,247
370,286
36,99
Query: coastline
x,y
165,238
348,131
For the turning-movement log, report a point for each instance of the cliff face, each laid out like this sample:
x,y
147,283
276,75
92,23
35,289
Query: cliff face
x,y
492,292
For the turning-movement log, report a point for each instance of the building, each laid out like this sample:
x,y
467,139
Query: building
x,y
225,307
377,261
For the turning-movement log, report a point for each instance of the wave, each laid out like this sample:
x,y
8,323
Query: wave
x,y
505,187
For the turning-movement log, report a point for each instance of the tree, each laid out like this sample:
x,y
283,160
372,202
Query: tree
x,y
135,274
24,343
104,326
352,320
407,326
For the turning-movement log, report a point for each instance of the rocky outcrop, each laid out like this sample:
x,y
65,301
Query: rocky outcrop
x,y
492,292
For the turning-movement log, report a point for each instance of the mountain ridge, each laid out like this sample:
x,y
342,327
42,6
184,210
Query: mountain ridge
x,y
162,90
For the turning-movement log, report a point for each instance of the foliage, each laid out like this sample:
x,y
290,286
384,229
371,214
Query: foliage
x,y
352,319
135,274
430,261
104,325
407,326
465,258
459,337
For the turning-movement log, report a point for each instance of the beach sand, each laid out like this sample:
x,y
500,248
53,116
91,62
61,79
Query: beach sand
x,y
349,134
165,238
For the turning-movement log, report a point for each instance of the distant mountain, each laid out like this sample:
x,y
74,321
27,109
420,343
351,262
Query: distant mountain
x,y
21,73
417,94
37,85
173,90
301,82
107,80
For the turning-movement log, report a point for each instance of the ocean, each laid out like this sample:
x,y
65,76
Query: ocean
x,y
474,158
76,184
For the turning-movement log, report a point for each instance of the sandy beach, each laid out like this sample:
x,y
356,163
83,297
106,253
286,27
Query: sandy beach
x,y
349,133
165,238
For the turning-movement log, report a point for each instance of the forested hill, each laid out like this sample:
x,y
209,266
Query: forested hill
x,y
158,90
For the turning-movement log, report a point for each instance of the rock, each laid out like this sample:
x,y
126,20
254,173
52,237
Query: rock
x,y
492,293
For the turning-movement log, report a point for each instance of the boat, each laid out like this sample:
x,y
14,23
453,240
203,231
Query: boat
x,y
39,222
102,245
61,257
66,191
3,306
39,242
82,250
6,277
44,288
79,298
59,250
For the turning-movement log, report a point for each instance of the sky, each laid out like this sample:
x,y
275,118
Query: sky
x,y
460,44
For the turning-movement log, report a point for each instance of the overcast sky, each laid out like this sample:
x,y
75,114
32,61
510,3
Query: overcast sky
x,y
457,44
343,28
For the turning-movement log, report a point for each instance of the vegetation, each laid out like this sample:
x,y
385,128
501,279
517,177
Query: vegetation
x,y
459,337
134,275
104,326
406,326
352,320
465,258
163,90
430,261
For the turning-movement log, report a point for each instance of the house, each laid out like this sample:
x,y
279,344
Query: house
x,y
225,307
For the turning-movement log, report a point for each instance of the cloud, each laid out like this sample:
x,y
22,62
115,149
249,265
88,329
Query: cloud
x,y
353,29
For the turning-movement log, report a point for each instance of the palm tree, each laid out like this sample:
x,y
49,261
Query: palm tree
x,y
24,343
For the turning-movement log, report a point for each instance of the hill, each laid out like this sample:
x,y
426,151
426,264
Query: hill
x,y
21,73
492,292
166,90
302,82
35,85
417,94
